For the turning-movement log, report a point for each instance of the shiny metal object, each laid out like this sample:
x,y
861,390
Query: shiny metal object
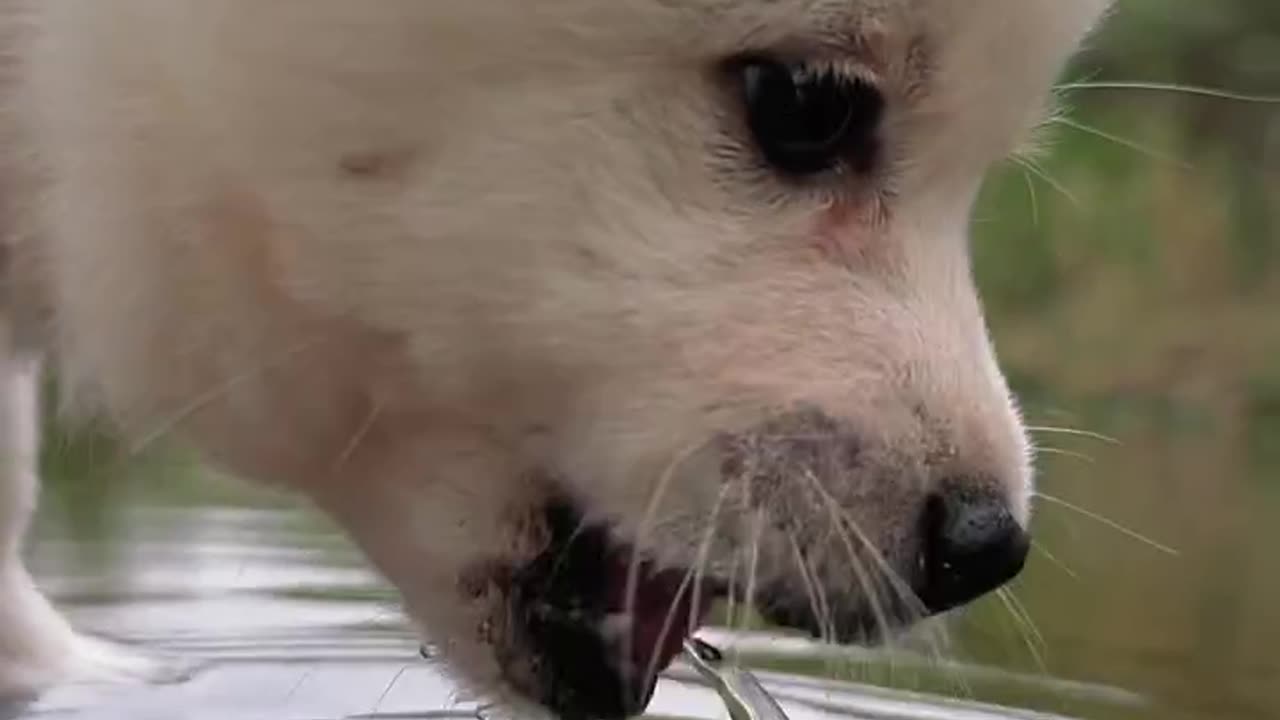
x,y
743,695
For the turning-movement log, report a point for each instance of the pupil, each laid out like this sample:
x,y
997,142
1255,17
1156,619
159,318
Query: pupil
x,y
805,123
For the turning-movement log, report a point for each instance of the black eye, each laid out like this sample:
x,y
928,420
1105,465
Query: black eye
x,y
807,122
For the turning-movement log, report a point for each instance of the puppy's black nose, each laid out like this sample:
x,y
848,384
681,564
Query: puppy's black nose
x,y
972,545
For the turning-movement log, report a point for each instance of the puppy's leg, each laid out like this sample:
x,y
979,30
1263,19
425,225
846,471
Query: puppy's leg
x,y
38,648
36,644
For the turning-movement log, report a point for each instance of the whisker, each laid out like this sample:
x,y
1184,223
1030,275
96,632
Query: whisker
x,y
390,686
1123,142
358,437
1031,195
954,676
753,565
1026,629
846,522
692,575
1029,165
844,526
936,638
1109,523
563,556
811,591
668,621
656,496
1053,559
828,617
1021,607
821,606
1051,429
203,400
741,609
731,603
704,555
1041,450
297,686
1176,88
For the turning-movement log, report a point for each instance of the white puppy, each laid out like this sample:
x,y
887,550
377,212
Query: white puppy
x,y
574,313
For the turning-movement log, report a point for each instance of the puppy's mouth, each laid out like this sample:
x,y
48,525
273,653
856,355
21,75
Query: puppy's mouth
x,y
593,624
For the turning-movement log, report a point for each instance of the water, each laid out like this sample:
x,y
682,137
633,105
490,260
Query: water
x,y
278,619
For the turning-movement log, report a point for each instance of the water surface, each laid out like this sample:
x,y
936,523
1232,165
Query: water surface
x,y
275,618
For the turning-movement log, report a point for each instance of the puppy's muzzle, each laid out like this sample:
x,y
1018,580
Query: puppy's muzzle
x,y
863,547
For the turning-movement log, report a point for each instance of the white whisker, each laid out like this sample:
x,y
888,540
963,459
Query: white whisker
x,y
358,436
216,393
390,686
1176,88
844,521
1109,523
1034,168
1123,142
1026,629
668,622
704,555
731,603
1073,431
816,605
1031,196
656,496
1041,450
1021,607
1053,559
753,564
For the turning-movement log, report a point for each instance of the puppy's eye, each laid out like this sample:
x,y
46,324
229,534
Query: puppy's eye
x,y
807,122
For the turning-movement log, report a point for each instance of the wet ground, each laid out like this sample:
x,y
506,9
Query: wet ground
x,y
277,619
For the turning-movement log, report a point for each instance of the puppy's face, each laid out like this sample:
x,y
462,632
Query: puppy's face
x,y
684,288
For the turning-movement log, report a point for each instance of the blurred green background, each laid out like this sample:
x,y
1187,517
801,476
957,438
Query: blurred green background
x,y
1132,277
1140,299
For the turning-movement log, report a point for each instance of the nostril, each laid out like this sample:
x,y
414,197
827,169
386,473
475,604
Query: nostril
x,y
972,545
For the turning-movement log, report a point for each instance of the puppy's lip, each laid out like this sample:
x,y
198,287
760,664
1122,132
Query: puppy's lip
x,y
602,620
660,616
604,660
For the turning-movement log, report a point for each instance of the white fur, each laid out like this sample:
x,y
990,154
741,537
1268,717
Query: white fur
x,y
34,639
397,254
37,646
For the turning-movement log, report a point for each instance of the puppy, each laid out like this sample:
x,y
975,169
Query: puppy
x,y
576,314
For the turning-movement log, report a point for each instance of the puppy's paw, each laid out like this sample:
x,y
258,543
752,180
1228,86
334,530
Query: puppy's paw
x,y
37,646
99,661
40,651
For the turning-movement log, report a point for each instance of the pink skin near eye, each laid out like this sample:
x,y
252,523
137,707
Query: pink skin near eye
x,y
845,233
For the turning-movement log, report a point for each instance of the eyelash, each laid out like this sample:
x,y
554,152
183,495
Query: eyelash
x,y
806,120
